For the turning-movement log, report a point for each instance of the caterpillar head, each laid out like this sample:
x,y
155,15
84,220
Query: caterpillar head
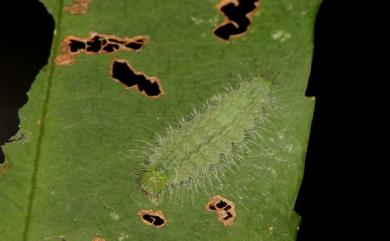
x,y
154,182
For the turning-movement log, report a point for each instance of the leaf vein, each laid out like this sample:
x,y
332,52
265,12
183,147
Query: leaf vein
x,y
41,126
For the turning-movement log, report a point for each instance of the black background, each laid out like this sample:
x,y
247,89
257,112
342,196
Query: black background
x,y
26,31
331,197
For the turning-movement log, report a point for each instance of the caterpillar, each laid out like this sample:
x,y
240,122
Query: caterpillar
x,y
209,140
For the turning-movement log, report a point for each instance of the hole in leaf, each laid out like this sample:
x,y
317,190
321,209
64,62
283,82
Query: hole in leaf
x,y
109,48
238,16
95,44
158,221
122,72
72,46
148,218
227,216
220,204
76,46
153,218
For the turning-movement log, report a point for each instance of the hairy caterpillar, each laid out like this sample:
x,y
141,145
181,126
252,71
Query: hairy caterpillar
x,y
208,140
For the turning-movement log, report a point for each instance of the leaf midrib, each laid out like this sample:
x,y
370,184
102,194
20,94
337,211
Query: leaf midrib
x,y
55,47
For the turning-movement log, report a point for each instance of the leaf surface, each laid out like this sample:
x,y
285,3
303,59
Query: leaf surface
x,y
75,172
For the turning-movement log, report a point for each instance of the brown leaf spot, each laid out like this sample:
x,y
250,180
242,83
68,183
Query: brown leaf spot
x,y
226,210
99,239
71,46
4,168
79,7
153,218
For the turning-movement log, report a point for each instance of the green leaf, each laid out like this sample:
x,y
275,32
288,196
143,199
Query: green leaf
x,y
75,174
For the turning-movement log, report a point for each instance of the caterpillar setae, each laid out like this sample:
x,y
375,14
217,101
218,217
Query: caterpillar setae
x,y
207,141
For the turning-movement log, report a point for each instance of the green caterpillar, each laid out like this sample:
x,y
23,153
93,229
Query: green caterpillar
x,y
208,141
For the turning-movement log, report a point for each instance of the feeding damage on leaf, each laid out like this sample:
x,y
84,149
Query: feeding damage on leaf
x,y
99,239
122,72
61,238
238,15
4,168
225,209
72,46
153,218
79,7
